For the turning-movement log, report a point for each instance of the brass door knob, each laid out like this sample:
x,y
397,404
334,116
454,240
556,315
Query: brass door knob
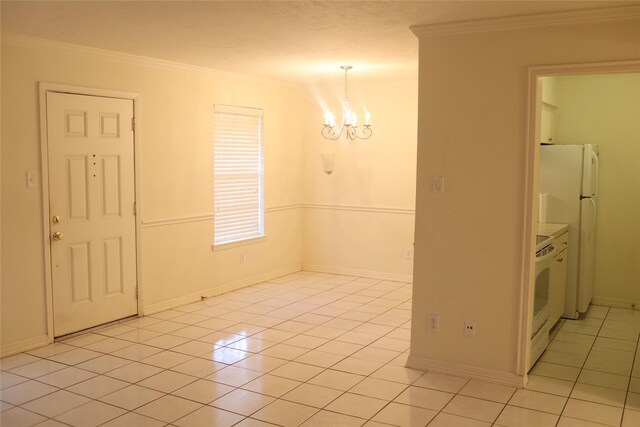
x,y
58,235
56,219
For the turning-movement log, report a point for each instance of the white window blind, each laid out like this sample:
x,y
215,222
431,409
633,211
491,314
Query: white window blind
x,y
238,190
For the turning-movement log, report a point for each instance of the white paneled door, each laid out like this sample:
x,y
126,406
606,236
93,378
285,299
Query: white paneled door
x,y
91,201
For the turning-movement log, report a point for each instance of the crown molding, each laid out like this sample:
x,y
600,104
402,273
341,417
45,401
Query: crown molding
x,y
130,59
613,14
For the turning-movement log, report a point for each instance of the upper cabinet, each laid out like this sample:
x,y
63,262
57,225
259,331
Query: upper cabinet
x,y
548,119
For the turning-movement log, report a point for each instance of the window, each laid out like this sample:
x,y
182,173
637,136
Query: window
x,y
238,189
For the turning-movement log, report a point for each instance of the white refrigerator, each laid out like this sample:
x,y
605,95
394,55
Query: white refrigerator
x,y
569,177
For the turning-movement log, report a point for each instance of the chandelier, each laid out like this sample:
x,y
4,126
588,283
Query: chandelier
x,y
349,124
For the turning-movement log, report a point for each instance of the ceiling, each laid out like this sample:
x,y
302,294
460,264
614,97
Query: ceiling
x,y
298,41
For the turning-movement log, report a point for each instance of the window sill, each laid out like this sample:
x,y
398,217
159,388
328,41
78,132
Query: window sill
x,y
231,245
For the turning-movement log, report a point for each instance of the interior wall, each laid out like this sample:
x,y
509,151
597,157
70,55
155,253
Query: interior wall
x,y
473,128
605,110
174,132
360,218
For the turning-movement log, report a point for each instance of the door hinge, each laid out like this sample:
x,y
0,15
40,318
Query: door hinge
x,y
137,293
135,208
133,124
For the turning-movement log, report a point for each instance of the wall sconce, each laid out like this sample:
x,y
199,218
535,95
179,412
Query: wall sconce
x,y
327,162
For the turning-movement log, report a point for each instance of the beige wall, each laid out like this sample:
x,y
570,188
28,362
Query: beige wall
x,y
359,219
175,138
605,110
470,243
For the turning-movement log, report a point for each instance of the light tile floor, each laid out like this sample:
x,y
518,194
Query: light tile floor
x,y
310,349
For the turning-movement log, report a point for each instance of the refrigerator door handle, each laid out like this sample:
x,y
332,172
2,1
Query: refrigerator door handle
x,y
595,211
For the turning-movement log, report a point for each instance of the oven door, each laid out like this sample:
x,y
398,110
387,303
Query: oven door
x,y
544,260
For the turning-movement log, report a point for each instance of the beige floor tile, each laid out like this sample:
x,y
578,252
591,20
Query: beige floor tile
x,y
336,379
357,366
441,382
195,348
568,373
595,412
198,367
604,342
341,348
74,356
66,377
550,385
597,394
250,422
376,354
228,355
55,403
234,376
381,389
568,359
488,391
166,359
604,379
312,395
208,416
471,407
131,419
134,372
271,385
320,358
398,374
356,405
450,420
203,391
108,345
50,423
424,398
7,379
136,352
168,408
574,422
404,415
98,386
575,338
167,381
38,368
104,363
242,402
260,363
513,416
297,371
284,351
630,418
538,401
287,414
12,362
191,332
90,414
18,417
326,418
26,391
131,397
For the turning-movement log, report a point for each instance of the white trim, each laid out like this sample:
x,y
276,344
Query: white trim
x,y
472,372
218,290
209,216
531,176
238,243
616,302
24,345
43,88
372,209
347,271
611,14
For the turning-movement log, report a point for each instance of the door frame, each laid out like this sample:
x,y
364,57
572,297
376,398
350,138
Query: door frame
x,y
44,88
532,167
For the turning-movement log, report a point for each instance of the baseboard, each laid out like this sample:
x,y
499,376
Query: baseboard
x,y
332,269
24,345
615,302
472,372
218,290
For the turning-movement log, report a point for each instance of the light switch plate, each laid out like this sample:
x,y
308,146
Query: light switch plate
x,y
32,179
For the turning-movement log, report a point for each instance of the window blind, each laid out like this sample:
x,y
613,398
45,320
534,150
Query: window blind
x,y
238,190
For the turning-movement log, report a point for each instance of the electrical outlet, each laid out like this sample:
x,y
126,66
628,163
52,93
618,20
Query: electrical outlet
x,y
242,258
469,328
32,179
433,323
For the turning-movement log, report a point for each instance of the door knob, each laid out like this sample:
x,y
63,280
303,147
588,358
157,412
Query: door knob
x,y
56,219
58,235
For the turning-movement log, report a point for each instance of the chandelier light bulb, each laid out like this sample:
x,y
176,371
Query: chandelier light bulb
x,y
349,125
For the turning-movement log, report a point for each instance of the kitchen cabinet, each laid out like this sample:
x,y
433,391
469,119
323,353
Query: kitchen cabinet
x,y
558,279
547,123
